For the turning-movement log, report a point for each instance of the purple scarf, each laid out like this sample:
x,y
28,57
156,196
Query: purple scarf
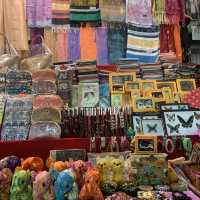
x,y
139,12
74,44
38,13
102,45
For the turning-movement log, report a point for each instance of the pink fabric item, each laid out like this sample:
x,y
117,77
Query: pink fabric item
x,y
139,12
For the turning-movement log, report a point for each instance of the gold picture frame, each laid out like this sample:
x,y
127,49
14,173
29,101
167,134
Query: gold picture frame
x,y
146,144
117,89
186,85
167,93
117,100
143,104
146,85
155,94
167,84
132,85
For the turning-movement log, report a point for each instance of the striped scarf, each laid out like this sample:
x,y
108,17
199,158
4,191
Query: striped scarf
x,y
143,43
60,12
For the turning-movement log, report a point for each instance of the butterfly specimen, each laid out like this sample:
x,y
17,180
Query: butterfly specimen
x,y
174,128
197,116
152,128
171,117
188,123
138,121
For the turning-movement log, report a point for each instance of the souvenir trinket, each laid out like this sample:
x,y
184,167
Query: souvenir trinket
x,y
33,164
10,162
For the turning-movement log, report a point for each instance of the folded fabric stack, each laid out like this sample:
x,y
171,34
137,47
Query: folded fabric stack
x,y
152,71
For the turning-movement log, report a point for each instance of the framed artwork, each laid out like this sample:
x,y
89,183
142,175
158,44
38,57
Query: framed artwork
x,y
167,93
135,94
146,85
132,85
143,104
186,85
182,122
89,94
116,100
145,144
167,84
156,94
118,89
182,106
153,126
119,78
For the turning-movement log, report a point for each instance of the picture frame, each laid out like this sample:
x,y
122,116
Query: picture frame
x,y
135,94
167,84
119,78
143,104
145,144
167,93
181,122
185,85
146,85
118,89
156,94
117,100
153,126
132,85
174,106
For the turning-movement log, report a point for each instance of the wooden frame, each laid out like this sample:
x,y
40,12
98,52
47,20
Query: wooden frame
x,y
167,84
185,85
129,85
117,100
121,77
135,94
147,85
117,89
143,101
141,149
155,94
167,93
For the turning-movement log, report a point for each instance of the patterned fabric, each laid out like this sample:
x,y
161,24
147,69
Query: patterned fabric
x,y
193,8
159,12
120,196
175,11
143,44
88,43
74,44
38,13
102,46
113,10
139,12
60,12
116,43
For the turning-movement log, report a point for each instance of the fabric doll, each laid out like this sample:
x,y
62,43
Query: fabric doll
x,y
5,183
43,187
57,165
21,188
33,163
10,162
91,188
117,167
65,186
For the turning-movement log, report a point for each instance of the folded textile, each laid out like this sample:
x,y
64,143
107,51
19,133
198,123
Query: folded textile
x,y
113,10
60,12
143,43
85,15
38,13
102,45
83,3
139,12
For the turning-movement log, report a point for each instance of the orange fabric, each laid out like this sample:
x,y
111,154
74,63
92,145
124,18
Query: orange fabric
x,y
88,43
177,42
33,163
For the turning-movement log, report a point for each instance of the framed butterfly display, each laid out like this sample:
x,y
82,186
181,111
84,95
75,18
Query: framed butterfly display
x,y
181,106
184,122
153,126
143,104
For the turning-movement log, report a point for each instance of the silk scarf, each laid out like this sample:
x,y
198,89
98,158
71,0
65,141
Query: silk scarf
x,y
139,12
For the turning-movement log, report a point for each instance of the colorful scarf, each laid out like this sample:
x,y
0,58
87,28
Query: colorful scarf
x,y
102,45
117,38
60,12
139,12
85,15
74,44
143,43
88,43
159,13
175,11
113,10
38,13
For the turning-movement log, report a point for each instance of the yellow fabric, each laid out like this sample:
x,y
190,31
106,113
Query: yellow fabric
x,y
60,6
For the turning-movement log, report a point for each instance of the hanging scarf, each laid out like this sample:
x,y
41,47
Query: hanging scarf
x,y
113,10
74,44
87,43
60,12
159,11
193,8
117,39
139,12
102,45
38,13
175,11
